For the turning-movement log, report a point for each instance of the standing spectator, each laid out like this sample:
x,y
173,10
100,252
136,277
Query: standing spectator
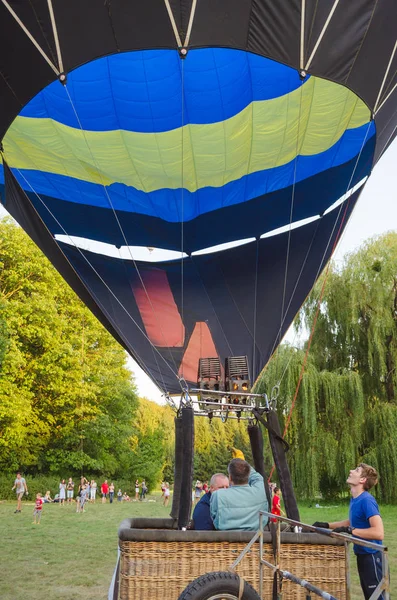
x,y
111,492
93,489
38,507
83,497
205,487
198,491
119,495
162,488
166,494
276,506
70,490
143,490
104,490
137,490
62,493
20,488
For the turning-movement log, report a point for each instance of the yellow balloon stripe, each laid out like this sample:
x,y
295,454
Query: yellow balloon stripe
x,y
266,134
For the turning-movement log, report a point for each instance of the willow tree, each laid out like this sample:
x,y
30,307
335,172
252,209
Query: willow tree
x,y
346,408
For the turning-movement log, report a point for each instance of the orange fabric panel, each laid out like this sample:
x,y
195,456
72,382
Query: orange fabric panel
x,y
159,312
201,345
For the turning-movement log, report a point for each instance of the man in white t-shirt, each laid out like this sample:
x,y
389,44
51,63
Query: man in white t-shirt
x,y
20,487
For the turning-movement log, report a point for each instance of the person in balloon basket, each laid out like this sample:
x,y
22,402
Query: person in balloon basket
x,y
201,519
238,506
364,522
21,488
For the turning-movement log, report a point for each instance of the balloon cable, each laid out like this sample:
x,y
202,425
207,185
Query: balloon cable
x,y
122,232
323,286
182,196
118,301
297,150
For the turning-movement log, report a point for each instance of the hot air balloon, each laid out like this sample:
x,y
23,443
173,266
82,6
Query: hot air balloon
x,y
201,128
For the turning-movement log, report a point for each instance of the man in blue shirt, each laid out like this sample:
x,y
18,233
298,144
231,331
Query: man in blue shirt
x,y
364,522
201,514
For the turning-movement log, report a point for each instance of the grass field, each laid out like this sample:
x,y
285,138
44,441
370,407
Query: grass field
x,y
73,555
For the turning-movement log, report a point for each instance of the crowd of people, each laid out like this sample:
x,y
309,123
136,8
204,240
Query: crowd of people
x,y
71,493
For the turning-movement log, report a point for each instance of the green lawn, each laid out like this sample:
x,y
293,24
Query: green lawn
x,y
73,555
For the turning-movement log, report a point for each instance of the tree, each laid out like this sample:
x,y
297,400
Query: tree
x,y
67,399
346,409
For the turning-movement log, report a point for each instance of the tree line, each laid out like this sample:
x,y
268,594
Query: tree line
x,y
68,403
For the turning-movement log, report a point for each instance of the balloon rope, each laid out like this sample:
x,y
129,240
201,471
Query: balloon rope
x,y
121,230
182,199
140,360
297,150
294,290
255,309
322,291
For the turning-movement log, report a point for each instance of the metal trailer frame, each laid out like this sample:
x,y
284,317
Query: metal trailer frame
x,y
383,587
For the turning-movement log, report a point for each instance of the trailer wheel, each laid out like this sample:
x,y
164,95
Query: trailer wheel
x,y
218,586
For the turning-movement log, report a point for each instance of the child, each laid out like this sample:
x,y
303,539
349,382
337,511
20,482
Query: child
x,y
37,509
166,494
119,495
83,497
276,507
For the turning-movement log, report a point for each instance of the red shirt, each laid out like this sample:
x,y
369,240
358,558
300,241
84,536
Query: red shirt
x,y
105,488
276,508
39,504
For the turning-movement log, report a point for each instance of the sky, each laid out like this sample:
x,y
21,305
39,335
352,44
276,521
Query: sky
x,y
375,213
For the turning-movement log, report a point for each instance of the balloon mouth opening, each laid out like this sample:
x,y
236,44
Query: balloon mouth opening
x,y
157,255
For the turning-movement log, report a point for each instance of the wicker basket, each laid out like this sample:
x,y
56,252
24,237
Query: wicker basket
x,y
159,563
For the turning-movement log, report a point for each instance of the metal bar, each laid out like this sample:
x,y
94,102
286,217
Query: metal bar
x,y
244,552
268,564
225,405
278,551
305,584
329,532
222,393
385,574
261,556
379,589
197,414
347,559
